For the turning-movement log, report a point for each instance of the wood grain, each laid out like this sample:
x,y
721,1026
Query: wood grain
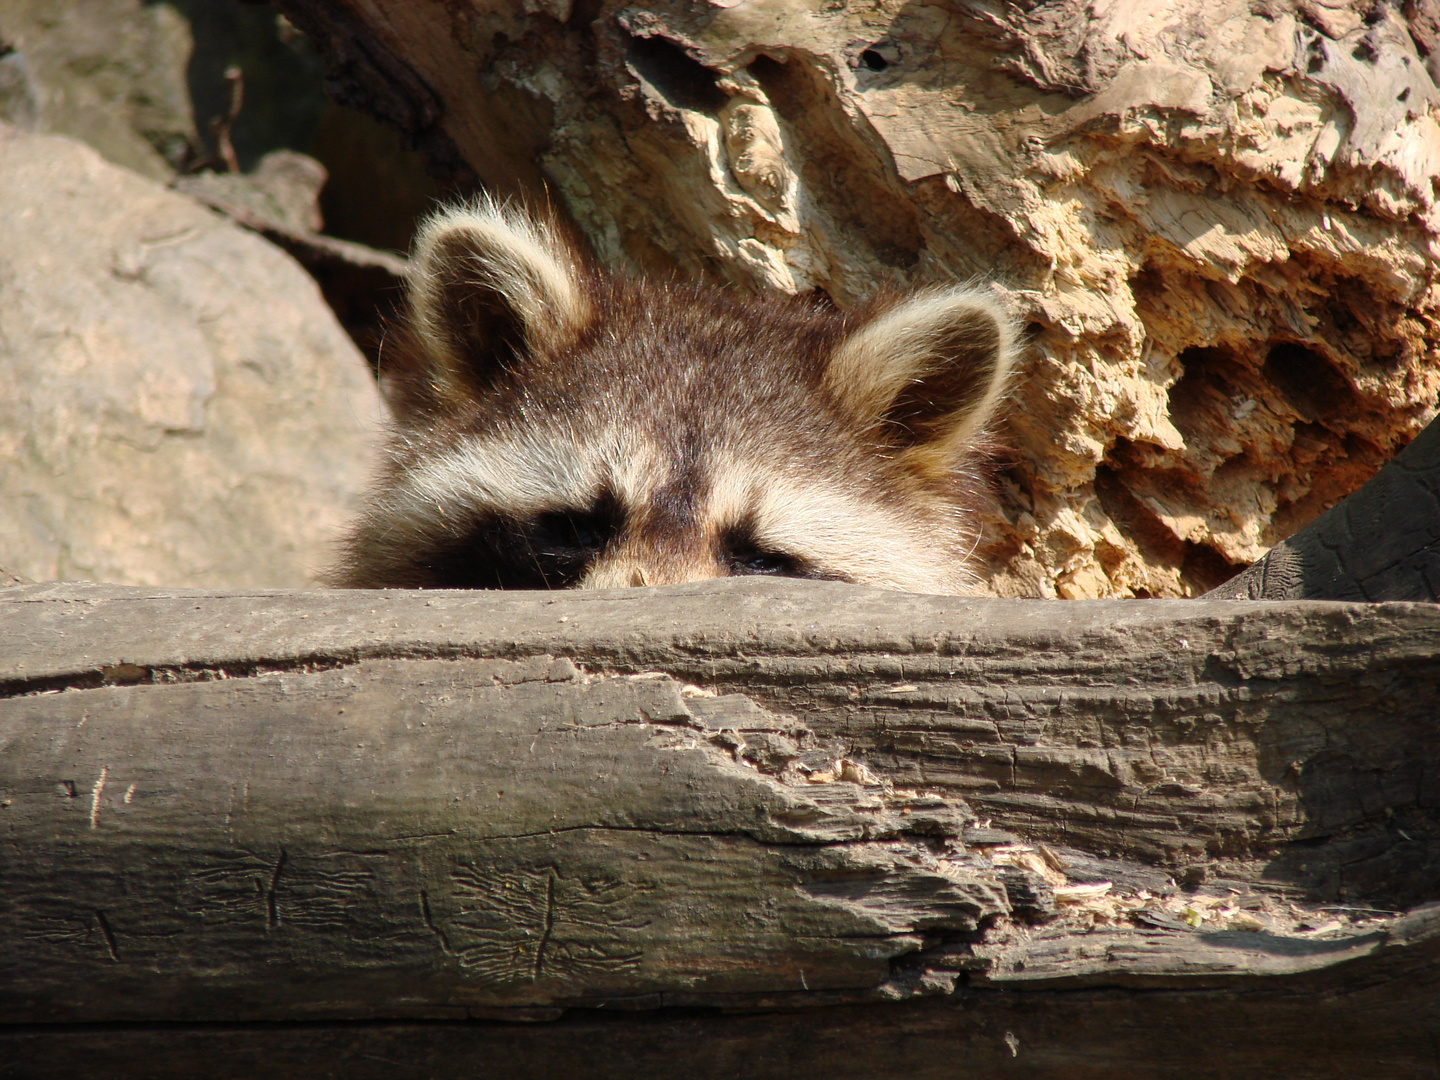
x,y
438,808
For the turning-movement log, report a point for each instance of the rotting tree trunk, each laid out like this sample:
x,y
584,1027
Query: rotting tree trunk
x,y
844,832
1218,219
1381,543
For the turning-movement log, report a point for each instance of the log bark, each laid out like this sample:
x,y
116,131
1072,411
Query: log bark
x,y
785,828
1216,219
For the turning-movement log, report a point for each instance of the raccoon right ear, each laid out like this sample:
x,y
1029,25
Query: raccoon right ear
x,y
926,374
489,285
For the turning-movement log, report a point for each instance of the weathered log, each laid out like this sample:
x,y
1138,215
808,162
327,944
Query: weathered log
x,y
1048,837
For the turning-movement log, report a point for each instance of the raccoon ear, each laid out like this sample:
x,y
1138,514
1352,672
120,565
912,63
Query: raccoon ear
x,y
489,286
926,373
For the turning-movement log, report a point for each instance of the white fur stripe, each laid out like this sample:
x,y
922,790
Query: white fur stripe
x,y
524,472
838,532
833,529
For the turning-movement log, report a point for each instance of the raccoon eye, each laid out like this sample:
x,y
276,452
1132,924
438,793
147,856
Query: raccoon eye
x,y
571,529
750,560
551,550
573,535
738,549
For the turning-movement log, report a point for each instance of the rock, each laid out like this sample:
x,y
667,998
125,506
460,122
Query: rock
x,y
283,190
177,403
108,72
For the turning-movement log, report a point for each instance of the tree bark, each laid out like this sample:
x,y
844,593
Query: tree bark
x,y
1217,220
896,828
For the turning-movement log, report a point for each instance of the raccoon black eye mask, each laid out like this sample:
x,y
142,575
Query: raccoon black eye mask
x,y
557,425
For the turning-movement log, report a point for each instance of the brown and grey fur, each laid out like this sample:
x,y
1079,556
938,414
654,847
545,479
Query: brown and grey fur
x,y
560,426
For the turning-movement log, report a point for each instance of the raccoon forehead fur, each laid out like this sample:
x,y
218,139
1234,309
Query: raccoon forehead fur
x,y
557,425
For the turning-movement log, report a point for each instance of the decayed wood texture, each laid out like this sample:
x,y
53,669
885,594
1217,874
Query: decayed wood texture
x,y
420,809
1216,219
1381,543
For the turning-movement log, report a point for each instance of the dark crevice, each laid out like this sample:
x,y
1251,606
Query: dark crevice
x,y
1308,382
1200,566
839,165
873,60
674,75
1203,391
109,934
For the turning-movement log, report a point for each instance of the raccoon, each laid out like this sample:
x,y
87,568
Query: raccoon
x,y
557,425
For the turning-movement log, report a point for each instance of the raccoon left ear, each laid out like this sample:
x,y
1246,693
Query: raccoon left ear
x,y
488,286
928,373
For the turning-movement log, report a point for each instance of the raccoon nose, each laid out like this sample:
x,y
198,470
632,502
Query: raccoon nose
x,y
625,571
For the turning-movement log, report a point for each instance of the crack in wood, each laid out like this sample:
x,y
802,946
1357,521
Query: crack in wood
x,y
549,923
429,918
168,674
272,896
161,674
109,935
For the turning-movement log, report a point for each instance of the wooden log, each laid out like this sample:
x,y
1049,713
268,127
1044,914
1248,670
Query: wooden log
x,y
811,811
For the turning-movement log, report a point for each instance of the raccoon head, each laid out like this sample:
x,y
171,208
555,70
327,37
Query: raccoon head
x,y
558,426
